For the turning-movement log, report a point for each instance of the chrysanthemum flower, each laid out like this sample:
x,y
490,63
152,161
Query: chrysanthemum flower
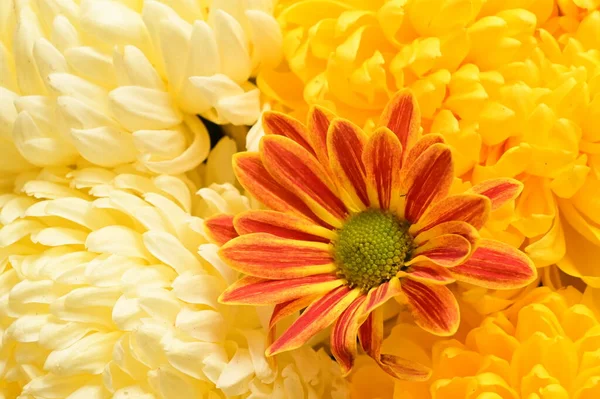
x,y
356,220
543,347
108,288
123,82
511,85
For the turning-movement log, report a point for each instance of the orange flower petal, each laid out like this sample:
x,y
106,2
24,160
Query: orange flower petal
x,y
370,334
499,191
371,337
253,176
319,119
379,295
343,335
319,315
470,208
434,307
268,256
427,180
300,172
430,274
496,265
383,159
284,125
403,117
282,225
404,369
345,142
250,290
463,229
447,250
420,146
219,228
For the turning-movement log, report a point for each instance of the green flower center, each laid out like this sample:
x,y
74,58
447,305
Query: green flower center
x,y
371,248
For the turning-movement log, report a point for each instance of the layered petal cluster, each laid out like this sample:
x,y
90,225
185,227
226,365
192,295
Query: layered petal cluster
x,y
355,220
108,289
543,347
512,86
121,82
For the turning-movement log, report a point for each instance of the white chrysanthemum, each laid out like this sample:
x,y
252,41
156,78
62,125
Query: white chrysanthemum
x,y
108,289
118,82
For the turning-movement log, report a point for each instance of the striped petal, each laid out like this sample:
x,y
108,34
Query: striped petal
x,y
319,315
447,250
383,158
434,307
403,117
496,265
284,125
462,229
253,176
470,208
404,369
420,147
427,180
250,290
499,191
379,295
319,119
345,142
219,228
430,274
300,172
343,335
268,256
282,225
371,337
370,334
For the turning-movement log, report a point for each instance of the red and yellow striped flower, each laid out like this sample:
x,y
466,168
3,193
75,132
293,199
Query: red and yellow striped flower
x,y
355,220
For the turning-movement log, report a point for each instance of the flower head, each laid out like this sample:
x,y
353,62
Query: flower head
x,y
511,85
355,220
544,346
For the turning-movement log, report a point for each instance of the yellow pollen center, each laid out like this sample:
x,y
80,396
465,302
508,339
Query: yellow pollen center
x,y
371,248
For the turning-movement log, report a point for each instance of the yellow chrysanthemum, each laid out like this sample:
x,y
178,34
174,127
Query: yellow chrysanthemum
x,y
510,98
543,347
108,288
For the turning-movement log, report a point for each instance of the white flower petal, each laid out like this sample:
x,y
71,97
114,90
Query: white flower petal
x,y
104,146
266,37
198,289
88,355
92,64
204,325
233,46
169,250
117,240
133,69
138,108
26,328
236,375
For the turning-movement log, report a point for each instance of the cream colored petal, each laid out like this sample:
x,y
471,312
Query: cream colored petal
x,y
171,384
113,23
78,115
233,46
160,304
28,31
117,240
132,68
204,325
243,109
174,36
54,387
146,344
219,168
104,146
80,211
170,251
57,236
138,108
188,357
66,84
198,289
166,144
193,156
266,38
56,335
26,328
127,313
64,35
237,374
209,253
8,112
93,65
256,348
15,231
49,190
48,60
204,52
15,208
